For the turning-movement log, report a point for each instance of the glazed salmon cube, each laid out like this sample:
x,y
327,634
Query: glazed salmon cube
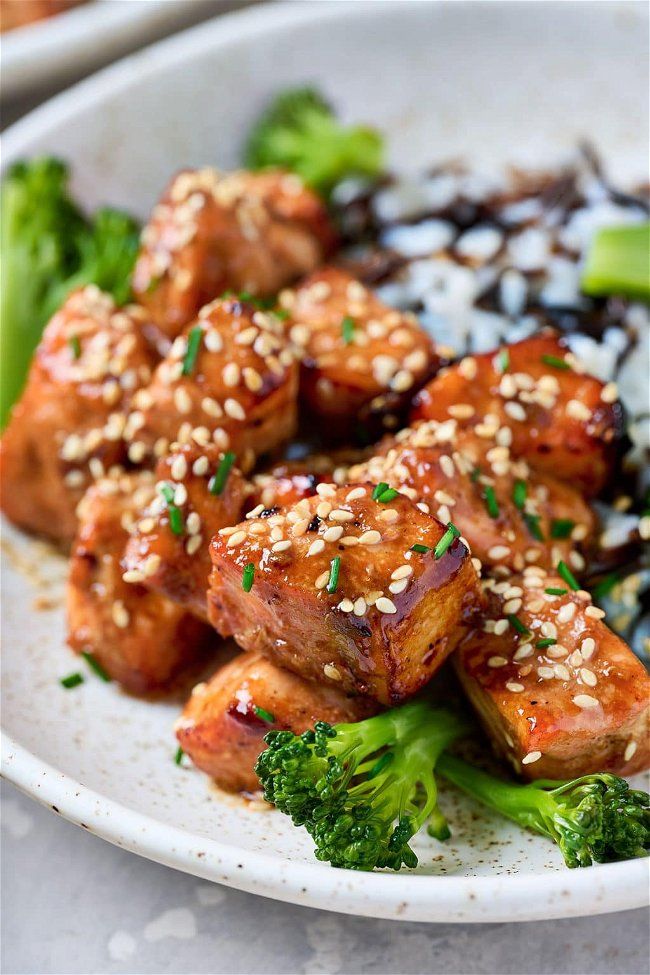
x,y
224,722
214,232
66,430
510,514
230,379
559,694
332,589
198,491
562,421
139,638
359,357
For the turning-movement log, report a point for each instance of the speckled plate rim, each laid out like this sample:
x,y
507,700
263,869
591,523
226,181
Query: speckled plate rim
x,y
524,897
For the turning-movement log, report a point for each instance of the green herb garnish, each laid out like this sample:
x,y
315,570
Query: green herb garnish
x,y
618,262
75,346
568,576
174,512
388,495
95,665
347,328
555,362
548,641
72,680
217,483
447,539
263,714
562,527
193,345
605,586
379,490
502,361
247,577
519,492
335,568
517,625
556,591
491,502
422,549
178,757
532,524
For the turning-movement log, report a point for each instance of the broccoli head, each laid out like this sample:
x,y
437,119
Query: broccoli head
x,y
362,790
300,132
47,248
595,818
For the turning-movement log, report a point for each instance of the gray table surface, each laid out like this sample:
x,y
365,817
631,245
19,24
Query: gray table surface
x,y
72,903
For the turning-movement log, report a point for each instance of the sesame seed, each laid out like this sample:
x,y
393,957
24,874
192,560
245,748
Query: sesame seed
x,y
523,651
397,587
253,380
339,515
588,677
385,605
595,613
556,650
180,494
371,537
461,411
359,607
546,673
182,400
323,509
231,374
566,613
346,605
514,687
316,546
330,671
512,606
562,672
212,341
575,659
151,565
193,544
333,534
585,701
468,368
234,409
515,411
497,661
531,757
193,523
236,539
355,494
282,546
498,552
402,572
644,527
630,750
500,627
133,575
548,629
120,614
325,490
349,540
587,647
322,579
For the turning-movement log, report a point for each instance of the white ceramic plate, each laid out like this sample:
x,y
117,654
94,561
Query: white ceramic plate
x,y
491,81
78,40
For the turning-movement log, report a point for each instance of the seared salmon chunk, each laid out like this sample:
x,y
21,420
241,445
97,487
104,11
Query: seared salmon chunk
x,y
214,232
139,638
66,430
559,693
224,722
561,420
333,589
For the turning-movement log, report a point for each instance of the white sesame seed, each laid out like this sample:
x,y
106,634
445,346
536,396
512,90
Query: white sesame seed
x,y
316,546
577,410
447,466
236,539
355,494
588,677
325,490
587,647
339,515
231,374
323,509
253,380
193,523
151,565
120,614
531,757
330,671
397,587
346,605
200,466
385,605
349,540
546,673
371,537
566,613
133,575
497,661
182,400
333,534
548,629
562,672
178,469
234,409
515,411
193,544
500,627
498,552
359,606
525,650
585,701
512,606
282,546
513,686
575,659
630,750
595,613
322,579
402,572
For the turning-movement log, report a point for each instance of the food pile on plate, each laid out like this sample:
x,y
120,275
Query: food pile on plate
x,y
264,422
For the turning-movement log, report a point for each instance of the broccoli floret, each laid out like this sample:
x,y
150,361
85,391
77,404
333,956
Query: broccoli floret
x,y
592,818
364,789
47,248
299,132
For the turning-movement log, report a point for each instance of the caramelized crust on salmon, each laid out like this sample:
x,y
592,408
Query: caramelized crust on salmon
x,y
224,722
198,491
230,379
214,232
562,421
139,638
559,693
359,357
337,594
509,514
66,429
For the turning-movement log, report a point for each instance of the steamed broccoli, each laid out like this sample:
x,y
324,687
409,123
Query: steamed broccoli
x,y
362,790
596,817
299,132
47,248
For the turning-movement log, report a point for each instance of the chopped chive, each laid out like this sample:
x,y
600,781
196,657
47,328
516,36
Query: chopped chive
x,y
387,495
517,625
381,764
178,757
379,490
75,345
562,527
174,512
247,577
548,641
532,524
447,539
347,327
193,345
491,502
154,281
422,549
502,361
281,314
556,591
96,666
335,568
263,714
519,492
568,576
72,680
556,362
605,586
617,262
474,476
217,483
